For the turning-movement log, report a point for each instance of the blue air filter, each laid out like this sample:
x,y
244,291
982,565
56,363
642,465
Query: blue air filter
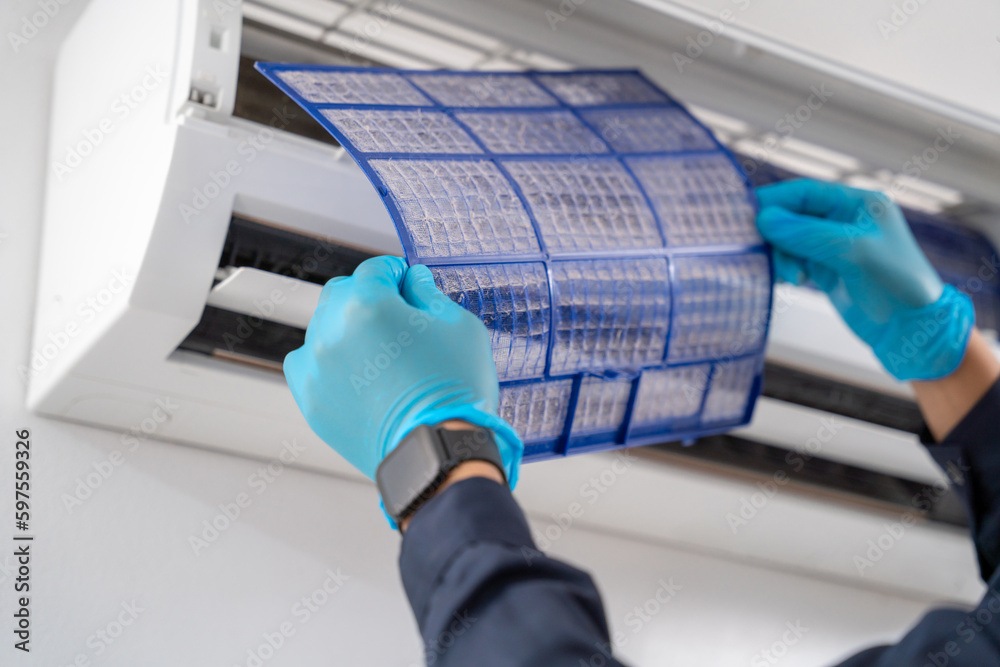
x,y
601,233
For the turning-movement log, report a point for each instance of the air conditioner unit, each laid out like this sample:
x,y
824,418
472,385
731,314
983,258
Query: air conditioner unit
x,y
192,212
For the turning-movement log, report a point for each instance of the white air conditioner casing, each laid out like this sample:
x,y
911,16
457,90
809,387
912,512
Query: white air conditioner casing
x,y
148,165
134,231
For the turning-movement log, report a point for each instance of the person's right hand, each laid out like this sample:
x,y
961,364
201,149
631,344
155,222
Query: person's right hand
x,y
857,247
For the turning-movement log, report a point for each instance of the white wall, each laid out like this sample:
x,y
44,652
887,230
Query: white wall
x,y
129,542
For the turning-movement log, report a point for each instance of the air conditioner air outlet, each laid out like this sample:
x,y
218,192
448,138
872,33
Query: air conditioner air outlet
x,y
265,291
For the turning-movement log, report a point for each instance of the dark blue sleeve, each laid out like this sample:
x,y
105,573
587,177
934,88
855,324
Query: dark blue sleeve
x,y
484,595
970,455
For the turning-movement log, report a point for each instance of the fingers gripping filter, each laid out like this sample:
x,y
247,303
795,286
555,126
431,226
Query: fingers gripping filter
x,y
602,235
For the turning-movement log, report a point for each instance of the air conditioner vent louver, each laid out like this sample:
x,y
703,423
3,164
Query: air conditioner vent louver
x,y
840,398
232,336
250,336
287,253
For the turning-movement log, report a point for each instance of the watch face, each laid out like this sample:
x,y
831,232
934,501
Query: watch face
x,y
407,471
418,465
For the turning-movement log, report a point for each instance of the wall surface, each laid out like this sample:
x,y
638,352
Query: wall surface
x,y
128,553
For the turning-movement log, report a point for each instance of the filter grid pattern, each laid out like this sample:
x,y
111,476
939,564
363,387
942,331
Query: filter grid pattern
x,y
700,200
538,410
483,90
721,308
609,313
512,300
601,405
599,232
456,208
402,131
670,394
730,391
592,205
325,86
589,89
542,132
650,130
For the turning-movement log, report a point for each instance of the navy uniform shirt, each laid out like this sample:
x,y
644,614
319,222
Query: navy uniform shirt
x,y
484,595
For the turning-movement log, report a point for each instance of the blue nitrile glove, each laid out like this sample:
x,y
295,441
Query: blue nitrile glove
x,y
386,351
857,247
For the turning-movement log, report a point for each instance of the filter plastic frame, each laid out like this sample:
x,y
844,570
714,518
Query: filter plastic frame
x,y
565,410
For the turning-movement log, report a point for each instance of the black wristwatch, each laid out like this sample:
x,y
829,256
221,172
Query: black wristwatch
x,y
417,467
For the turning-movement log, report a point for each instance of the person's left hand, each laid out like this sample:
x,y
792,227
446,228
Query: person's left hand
x,y
386,351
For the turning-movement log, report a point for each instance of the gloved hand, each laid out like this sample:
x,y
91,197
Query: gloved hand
x,y
386,351
857,247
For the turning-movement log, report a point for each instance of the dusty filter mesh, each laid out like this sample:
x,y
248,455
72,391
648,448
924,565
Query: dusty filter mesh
x,y
600,232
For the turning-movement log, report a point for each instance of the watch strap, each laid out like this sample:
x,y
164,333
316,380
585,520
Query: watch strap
x,y
412,472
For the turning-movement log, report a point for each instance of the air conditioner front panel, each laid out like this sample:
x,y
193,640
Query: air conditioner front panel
x,y
306,186
124,207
